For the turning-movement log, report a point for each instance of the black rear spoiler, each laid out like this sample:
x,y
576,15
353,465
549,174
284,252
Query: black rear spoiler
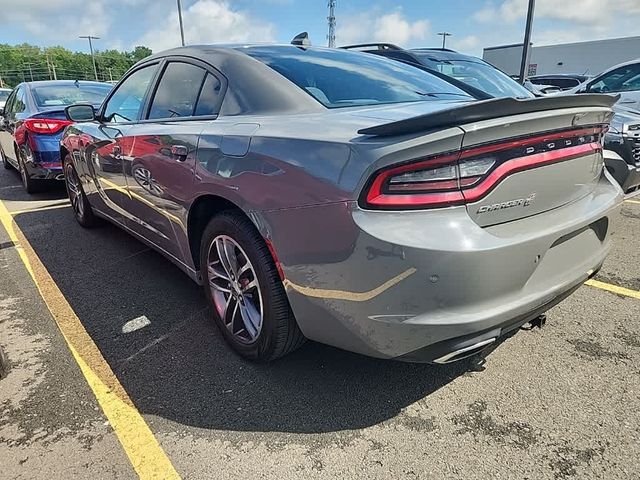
x,y
486,110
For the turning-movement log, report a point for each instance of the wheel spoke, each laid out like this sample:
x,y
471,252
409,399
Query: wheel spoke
x,y
214,272
249,286
219,288
230,313
250,318
230,257
222,256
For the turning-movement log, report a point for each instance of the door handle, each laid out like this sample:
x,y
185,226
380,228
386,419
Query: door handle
x,y
116,150
180,152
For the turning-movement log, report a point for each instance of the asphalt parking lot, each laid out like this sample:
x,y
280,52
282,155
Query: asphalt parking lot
x,y
162,396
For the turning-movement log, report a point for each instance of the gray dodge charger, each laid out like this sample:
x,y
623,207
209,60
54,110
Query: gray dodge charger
x,y
346,198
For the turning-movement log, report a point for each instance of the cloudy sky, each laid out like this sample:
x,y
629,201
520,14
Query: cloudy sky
x,y
475,24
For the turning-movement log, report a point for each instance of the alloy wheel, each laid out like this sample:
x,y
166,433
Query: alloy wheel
x,y
235,289
75,191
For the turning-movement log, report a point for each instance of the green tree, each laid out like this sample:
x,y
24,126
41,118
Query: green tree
x,y
25,62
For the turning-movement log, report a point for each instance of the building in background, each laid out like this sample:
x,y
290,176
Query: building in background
x,y
588,58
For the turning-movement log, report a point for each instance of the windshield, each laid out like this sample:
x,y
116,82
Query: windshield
x,y
62,95
4,94
479,75
338,78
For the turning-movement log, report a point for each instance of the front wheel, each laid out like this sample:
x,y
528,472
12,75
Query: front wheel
x,y
81,206
243,287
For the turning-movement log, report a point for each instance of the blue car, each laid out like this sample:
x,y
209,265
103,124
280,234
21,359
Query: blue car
x,y
32,122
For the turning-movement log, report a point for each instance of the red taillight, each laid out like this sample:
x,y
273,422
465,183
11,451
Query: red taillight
x,y
466,176
45,125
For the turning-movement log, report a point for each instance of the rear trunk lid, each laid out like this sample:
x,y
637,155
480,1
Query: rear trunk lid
x,y
518,157
543,160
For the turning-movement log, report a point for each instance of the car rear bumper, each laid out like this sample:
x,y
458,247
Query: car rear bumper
x,y
43,157
415,285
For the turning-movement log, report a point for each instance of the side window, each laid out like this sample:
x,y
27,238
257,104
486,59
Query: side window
x,y
620,80
8,107
20,104
209,100
125,104
177,91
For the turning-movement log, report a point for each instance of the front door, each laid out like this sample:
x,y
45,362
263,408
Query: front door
x,y
159,162
114,137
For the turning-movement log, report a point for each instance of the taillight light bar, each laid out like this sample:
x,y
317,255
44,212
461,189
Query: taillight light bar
x,y
456,178
45,125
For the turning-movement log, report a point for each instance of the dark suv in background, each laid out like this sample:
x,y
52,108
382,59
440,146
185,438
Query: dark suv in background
x,y
473,72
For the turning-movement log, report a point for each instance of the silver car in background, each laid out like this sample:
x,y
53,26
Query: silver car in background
x,y
346,198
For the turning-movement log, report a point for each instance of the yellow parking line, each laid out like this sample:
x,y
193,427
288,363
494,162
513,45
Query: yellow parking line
x,y
613,288
633,201
39,209
351,296
145,453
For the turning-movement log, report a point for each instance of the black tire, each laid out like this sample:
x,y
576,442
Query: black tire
x,y
82,210
5,162
280,333
29,184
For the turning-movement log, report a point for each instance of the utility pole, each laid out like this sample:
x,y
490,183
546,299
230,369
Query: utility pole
x,y
526,45
180,20
30,72
93,57
331,36
444,36
110,74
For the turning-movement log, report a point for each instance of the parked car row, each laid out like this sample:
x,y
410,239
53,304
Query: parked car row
x,y
358,199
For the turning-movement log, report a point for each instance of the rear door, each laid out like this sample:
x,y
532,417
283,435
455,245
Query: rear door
x,y
160,159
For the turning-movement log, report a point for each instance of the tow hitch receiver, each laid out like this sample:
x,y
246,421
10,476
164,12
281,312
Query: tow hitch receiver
x,y
537,322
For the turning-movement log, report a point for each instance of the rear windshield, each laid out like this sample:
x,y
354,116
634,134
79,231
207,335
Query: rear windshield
x,y
61,95
477,74
340,78
4,94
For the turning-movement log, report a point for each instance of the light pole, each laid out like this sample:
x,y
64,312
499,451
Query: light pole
x,y
93,57
180,20
527,41
444,36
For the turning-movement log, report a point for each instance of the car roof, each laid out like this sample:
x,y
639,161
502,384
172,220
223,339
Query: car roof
x,y
445,54
561,75
623,64
41,83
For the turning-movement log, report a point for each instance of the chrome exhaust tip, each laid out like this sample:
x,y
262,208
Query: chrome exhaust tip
x,y
465,352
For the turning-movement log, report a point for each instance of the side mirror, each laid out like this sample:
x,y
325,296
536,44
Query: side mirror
x,y
80,112
1,111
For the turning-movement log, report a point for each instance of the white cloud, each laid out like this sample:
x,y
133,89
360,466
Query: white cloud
x,y
464,44
587,12
208,21
67,18
502,22
391,27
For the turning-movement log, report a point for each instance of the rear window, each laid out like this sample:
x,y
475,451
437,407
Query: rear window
x,y
477,74
340,78
62,95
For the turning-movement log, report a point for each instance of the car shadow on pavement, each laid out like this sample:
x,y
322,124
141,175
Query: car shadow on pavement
x,y
178,366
